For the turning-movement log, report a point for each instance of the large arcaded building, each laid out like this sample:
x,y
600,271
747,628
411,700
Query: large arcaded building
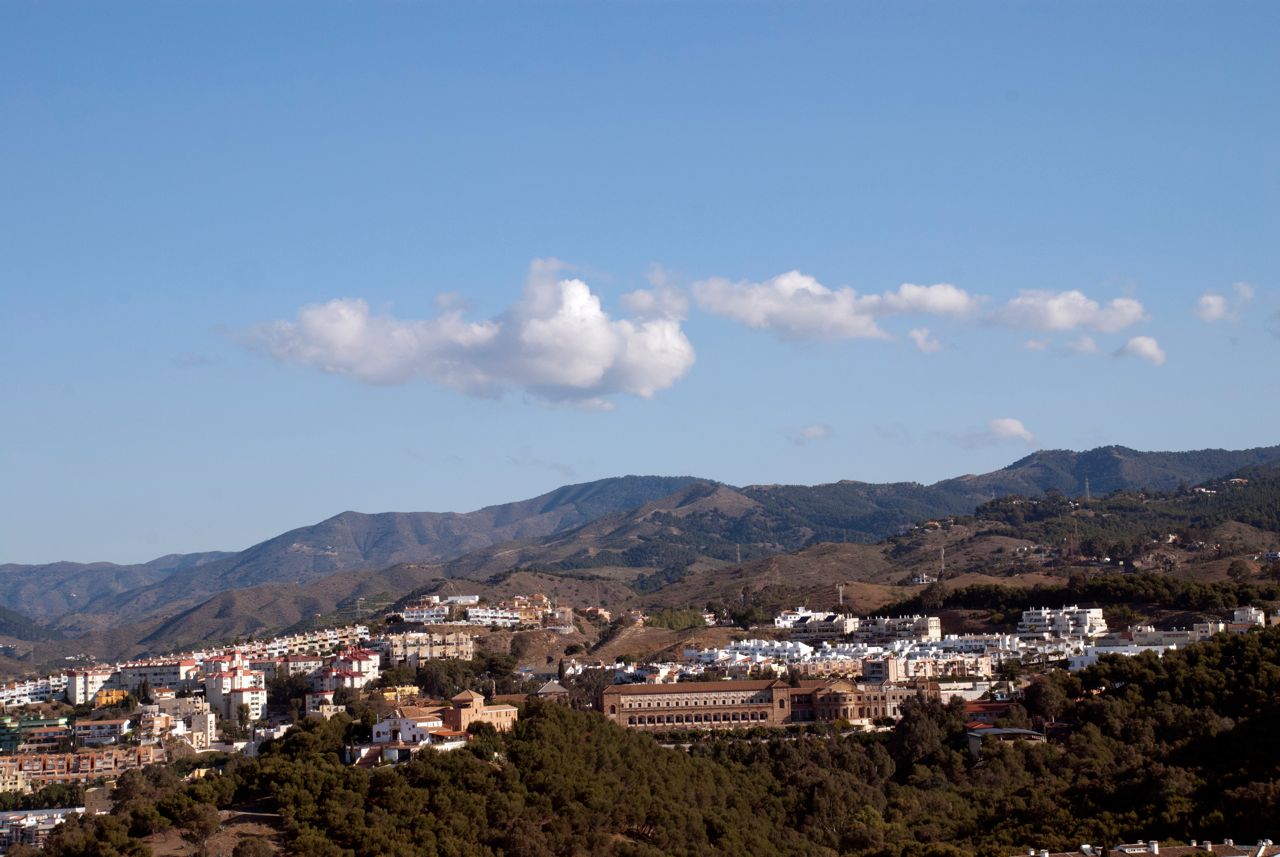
x,y
763,702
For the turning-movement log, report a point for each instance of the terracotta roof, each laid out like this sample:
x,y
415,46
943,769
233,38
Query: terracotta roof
x,y
418,712
467,695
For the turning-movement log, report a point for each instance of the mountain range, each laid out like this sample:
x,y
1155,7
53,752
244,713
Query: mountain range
x,y
604,540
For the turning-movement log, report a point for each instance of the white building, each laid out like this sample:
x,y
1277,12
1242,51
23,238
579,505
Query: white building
x,y
1090,655
27,691
178,674
235,684
408,725
1070,621
493,616
789,618
364,664
426,614
1249,616
884,629
83,684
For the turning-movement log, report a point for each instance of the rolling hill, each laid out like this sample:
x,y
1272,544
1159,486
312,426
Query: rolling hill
x,y
71,594
631,540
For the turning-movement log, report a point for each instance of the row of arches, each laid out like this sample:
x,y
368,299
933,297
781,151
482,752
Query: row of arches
x,y
700,719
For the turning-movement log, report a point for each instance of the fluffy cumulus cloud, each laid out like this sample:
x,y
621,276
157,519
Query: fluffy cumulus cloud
x,y
997,431
927,344
1213,307
1144,348
796,306
557,342
1007,428
1057,311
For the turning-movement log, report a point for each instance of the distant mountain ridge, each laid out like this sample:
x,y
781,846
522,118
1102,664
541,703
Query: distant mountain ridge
x,y
348,541
655,526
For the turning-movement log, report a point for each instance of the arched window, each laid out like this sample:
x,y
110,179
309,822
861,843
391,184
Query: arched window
x,y
613,709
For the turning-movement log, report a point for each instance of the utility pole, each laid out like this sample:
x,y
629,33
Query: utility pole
x,y
942,562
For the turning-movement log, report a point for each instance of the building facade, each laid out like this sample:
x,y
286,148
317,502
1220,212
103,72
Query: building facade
x,y
758,702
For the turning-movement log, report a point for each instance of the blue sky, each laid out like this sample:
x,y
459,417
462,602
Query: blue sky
x,y
261,263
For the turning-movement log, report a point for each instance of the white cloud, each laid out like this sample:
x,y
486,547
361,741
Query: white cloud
x,y
661,301
1145,348
810,434
1213,307
1042,310
999,430
557,342
796,306
920,336
1085,344
938,299
1036,344
1007,428
793,305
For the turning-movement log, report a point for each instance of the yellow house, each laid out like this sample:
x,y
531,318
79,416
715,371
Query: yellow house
x,y
105,698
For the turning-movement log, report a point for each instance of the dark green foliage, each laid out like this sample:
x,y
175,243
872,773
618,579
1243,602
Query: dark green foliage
x,y
252,848
489,673
1123,522
1103,589
677,620
654,581
94,836
49,797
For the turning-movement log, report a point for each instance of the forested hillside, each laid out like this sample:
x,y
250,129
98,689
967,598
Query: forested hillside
x,y
1122,522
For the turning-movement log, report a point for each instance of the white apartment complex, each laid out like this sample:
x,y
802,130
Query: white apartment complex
x,y
1062,622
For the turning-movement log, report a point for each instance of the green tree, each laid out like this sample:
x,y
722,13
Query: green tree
x,y
252,848
1045,699
198,822
1239,571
